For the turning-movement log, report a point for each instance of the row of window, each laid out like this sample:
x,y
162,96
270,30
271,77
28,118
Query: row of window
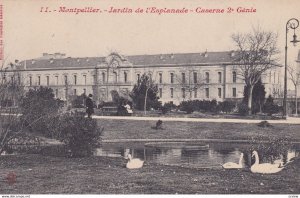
x,y
75,79
195,92
195,77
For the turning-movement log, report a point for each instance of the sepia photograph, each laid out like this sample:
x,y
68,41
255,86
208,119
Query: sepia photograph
x,y
149,97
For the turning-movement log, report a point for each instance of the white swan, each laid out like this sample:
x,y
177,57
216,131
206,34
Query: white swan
x,y
265,168
134,163
232,165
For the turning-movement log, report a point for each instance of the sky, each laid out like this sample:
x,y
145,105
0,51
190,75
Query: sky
x,y
28,32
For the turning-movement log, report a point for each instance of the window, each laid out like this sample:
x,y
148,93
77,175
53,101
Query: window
x,y
84,91
171,92
125,77
183,92
138,76
183,77
234,76
75,92
160,77
4,78
75,79
195,77
115,77
66,79
220,92
103,77
39,80
94,79
84,79
207,92
30,81
274,77
47,80
160,92
195,93
219,77
12,79
172,77
234,92
56,80
19,79
206,77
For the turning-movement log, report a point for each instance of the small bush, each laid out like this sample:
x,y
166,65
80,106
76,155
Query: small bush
x,y
187,106
270,107
81,135
167,107
226,106
243,109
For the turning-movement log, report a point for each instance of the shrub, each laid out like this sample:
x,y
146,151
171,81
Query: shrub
x,y
270,107
187,106
226,106
167,107
243,109
81,135
37,107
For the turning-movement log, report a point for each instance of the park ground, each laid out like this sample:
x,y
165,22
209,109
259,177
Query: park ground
x,y
39,174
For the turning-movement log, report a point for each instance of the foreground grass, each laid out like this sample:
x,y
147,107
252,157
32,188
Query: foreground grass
x,y
38,174
132,129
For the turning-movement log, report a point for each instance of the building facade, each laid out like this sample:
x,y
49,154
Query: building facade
x,y
189,76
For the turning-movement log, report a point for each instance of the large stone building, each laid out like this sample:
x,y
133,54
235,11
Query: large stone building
x,y
208,75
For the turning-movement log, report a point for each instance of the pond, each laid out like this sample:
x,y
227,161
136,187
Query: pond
x,y
197,155
206,155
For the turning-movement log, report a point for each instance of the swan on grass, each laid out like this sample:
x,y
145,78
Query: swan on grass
x,y
134,163
264,168
232,165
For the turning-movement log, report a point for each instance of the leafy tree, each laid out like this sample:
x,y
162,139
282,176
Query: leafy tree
x,y
144,94
39,105
258,96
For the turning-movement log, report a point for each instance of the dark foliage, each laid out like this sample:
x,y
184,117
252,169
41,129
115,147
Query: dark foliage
x,y
37,107
81,135
145,84
167,107
78,101
270,107
243,109
258,96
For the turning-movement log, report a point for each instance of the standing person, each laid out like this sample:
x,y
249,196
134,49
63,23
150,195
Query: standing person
x,y
89,105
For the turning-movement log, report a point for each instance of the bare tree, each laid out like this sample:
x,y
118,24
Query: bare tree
x,y
11,91
256,53
294,77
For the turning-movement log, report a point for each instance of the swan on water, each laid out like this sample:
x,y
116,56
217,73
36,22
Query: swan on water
x,y
264,168
134,163
232,165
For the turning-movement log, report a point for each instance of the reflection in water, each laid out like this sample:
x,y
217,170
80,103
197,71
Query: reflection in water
x,y
213,157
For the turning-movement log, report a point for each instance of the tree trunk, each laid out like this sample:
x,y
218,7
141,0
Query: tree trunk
x,y
250,100
145,102
296,101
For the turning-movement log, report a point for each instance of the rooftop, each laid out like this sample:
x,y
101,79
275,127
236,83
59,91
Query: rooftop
x,y
57,60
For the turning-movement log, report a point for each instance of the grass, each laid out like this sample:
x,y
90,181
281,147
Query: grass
x,y
131,129
38,174
42,174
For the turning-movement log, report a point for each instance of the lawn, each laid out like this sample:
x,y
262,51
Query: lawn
x,y
38,174
131,129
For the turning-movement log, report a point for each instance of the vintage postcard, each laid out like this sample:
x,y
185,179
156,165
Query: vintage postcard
x,y
194,97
